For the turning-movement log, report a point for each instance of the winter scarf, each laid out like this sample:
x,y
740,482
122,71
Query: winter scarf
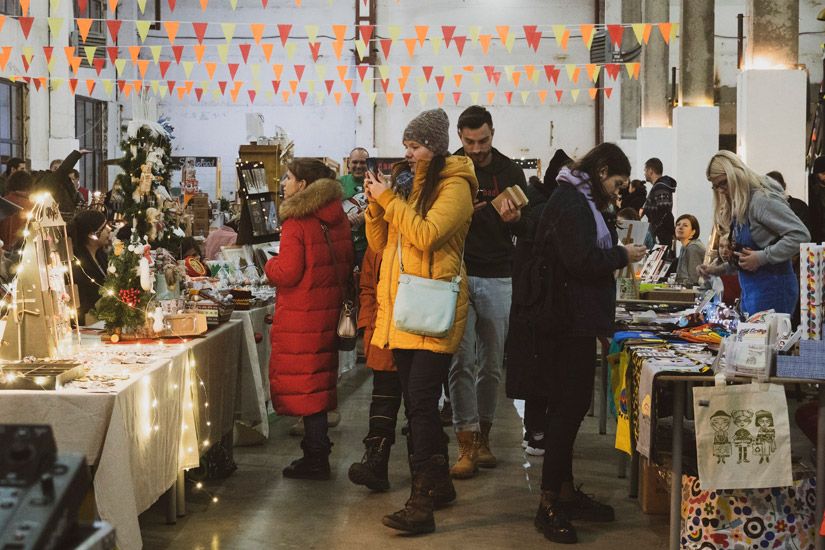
x,y
581,181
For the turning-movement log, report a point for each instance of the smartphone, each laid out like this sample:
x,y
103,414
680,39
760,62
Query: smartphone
x,y
372,165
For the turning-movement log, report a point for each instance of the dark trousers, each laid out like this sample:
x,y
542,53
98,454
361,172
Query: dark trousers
x,y
535,414
574,366
386,401
315,439
422,374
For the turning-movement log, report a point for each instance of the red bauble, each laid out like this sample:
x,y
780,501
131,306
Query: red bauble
x,y
268,319
258,337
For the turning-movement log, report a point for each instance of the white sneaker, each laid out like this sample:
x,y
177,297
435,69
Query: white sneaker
x,y
333,418
535,444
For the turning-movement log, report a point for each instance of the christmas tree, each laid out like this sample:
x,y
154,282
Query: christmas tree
x,y
127,289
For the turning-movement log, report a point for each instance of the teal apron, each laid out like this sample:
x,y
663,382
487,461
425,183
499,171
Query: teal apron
x,y
772,286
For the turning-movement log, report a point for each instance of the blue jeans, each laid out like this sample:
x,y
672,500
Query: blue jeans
x,y
476,370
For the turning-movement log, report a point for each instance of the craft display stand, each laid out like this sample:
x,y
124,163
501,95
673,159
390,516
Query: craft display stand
x,y
261,196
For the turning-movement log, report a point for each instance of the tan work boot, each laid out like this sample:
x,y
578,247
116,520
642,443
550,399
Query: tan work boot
x,y
466,467
486,459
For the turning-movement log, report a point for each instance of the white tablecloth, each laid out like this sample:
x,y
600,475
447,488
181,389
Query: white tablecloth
x,y
253,383
137,424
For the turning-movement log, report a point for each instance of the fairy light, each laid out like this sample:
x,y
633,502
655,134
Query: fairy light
x,y
198,485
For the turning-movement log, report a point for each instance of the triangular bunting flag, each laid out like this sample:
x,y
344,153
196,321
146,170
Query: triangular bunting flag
x,y
406,97
674,30
142,29
155,50
460,41
73,85
171,30
233,4
244,48
24,6
283,31
365,33
228,31
385,84
428,71
485,40
134,52
199,49
291,48
389,97
47,53
337,96
562,35
516,78
354,96
198,94
251,94
573,72
503,32
143,65
436,42
55,25
362,71
315,48
361,49
277,70
25,25
83,26
447,32
575,94
638,31
113,6
200,30
312,32
187,69
524,96
348,84
233,69
222,86
491,97
303,97
90,85
542,95
456,97
177,51
120,65
337,48
592,71
664,28
592,92
340,32
612,70
473,31
615,32
107,86
74,63
164,66
204,3
223,52
275,85
112,52
299,71
559,93
410,43
142,6
439,97
329,84
587,34
3,21
171,5
421,32
257,32
533,36
608,92
386,44
509,97
632,70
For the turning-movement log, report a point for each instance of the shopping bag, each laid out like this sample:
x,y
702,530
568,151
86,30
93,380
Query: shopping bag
x,y
742,436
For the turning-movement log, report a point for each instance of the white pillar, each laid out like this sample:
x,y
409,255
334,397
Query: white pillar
x,y
770,123
654,142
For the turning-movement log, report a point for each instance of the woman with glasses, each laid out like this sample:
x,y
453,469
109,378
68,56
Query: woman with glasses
x,y
90,237
764,234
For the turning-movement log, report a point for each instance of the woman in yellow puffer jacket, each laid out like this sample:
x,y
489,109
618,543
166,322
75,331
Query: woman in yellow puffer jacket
x,y
432,224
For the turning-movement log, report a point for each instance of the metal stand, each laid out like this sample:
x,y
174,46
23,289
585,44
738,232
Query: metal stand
x,y
676,468
181,494
171,496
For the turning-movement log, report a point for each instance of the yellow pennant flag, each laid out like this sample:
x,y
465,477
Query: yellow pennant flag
x,y
223,52
290,50
234,4
255,70
474,97
321,71
107,86
142,29
312,32
632,70
562,34
54,4
476,80
422,98
311,86
524,96
154,84
90,54
674,30
361,48
473,31
142,6
384,71
187,68
55,26
56,83
572,72
320,97
50,65
163,91
508,70
269,95
511,40
120,64
228,31
395,32
436,42
216,93
372,96
155,53
447,70
575,94
587,34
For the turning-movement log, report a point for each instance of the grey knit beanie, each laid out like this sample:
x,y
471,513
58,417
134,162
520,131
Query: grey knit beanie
x,y
430,129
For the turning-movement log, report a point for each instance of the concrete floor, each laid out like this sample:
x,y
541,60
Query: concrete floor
x,y
258,508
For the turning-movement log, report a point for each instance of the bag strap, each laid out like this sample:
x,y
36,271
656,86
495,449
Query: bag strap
x,y
345,294
401,263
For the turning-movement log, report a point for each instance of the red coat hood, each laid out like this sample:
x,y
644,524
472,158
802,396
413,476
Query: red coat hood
x,y
321,199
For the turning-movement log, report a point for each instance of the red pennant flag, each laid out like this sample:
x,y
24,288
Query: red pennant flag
x,y
428,71
303,96
251,94
489,70
406,97
613,70
121,84
315,49
275,85
385,83
198,93
245,51
362,71
73,85
386,44
615,32
233,69
81,6
459,44
355,96
25,63
37,84
164,66
99,64
558,95
509,96
200,30
447,32
299,71
222,86
178,51
439,80
456,97
171,85
25,25
497,77
171,5
47,53
329,84
114,28
366,32
283,30
552,73
608,92
112,51
533,36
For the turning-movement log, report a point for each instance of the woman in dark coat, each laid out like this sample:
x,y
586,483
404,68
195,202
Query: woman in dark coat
x,y
581,253
303,366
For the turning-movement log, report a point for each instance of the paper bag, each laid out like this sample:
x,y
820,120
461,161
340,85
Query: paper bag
x,y
742,436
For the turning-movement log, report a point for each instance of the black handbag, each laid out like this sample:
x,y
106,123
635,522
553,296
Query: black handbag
x,y
347,329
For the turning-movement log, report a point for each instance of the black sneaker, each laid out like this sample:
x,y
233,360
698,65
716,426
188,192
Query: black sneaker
x,y
554,522
535,444
584,507
308,467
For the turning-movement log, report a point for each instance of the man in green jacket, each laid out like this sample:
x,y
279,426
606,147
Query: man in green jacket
x,y
353,186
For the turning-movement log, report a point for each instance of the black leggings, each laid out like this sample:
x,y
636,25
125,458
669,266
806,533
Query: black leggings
x,y
535,414
574,364
422,374
386,400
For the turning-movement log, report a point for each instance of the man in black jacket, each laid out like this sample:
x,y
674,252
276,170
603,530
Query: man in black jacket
x,y
58,183
476,370
659,205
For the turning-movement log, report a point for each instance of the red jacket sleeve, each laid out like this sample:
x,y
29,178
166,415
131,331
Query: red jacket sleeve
x,y
287,268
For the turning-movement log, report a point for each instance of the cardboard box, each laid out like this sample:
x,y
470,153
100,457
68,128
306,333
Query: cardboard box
x,y
514,194
654,497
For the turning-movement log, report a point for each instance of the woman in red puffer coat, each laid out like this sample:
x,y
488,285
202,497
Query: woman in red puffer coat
x,y
303,367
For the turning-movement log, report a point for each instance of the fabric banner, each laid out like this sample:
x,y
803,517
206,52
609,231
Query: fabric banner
x,y
743,438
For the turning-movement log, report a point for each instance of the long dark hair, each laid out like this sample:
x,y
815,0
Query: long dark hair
x,y
427,196
85,223
310,169
603,155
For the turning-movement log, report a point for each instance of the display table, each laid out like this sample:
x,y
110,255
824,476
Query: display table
x,y
253,383
134,416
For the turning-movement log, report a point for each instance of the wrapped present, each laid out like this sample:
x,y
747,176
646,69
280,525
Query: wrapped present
x,y
777,517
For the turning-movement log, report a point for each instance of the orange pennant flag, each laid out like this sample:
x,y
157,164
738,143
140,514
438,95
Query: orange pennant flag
x,y
257,31
204,3
24,5
2,21
503,33
516,78
143,64
83,26
646,33
439,96
277,70
593,92
74,63
458,78
5,54
542,95
421,32
294,85
337,96
491,97
234,91
113,5
664,28
90,85
337,48
587,34
410,43
348,84
199,51
267,48
210,69
390,96
529,70
485,40
592,71
134,51
171,30
182,91
342,71
69,50
340,31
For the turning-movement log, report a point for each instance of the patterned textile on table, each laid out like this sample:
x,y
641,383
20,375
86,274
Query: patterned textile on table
x,y
778,517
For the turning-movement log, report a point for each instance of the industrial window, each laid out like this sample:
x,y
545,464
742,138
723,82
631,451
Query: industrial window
x,y
12,120
90,128
10,7
95,10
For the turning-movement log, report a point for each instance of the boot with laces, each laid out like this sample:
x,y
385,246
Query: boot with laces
x,y
584,507
486,459
417,515
552,520
466,465
372,471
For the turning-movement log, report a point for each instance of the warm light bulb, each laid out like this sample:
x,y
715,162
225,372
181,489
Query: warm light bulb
x,y
156,427
29,215
205,442
26,233
110,292
208,423
198,485
155,404
215,500
10,377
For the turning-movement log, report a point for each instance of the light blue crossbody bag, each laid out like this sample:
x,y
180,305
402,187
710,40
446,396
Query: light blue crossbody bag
x,y
425,306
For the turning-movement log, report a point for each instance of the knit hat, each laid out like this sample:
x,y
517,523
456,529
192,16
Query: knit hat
x,y
430,129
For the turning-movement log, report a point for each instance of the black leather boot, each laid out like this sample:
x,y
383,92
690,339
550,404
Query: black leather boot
x,y
417,515
372,471
553,521
313,465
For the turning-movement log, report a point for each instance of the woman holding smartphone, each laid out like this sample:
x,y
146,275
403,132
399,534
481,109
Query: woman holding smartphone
x,y
429,228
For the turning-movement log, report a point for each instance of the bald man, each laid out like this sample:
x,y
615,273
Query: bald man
x,y
353,186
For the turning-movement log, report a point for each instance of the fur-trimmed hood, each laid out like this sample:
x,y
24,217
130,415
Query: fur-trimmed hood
x,y
310,201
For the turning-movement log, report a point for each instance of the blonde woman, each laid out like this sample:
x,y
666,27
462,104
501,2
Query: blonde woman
x,y
764,234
